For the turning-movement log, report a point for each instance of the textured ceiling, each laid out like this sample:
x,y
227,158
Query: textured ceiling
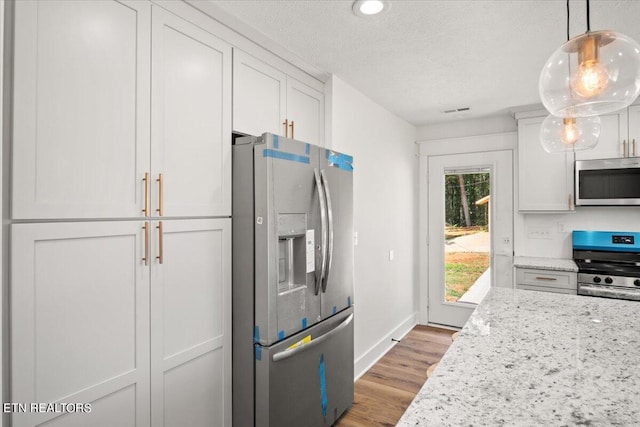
x,y
421,58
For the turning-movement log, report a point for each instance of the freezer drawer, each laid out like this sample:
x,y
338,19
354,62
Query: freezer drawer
x,y
311,385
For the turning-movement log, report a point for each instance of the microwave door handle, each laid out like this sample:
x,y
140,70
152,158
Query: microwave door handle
x,y
327,194
323,222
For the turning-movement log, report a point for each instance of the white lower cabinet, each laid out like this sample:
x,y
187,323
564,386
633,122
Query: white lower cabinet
x,y
561,282
131,320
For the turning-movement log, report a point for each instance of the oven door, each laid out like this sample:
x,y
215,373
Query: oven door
x,y
608,291
607,182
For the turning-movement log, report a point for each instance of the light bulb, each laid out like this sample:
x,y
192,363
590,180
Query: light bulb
x,y
570,131
590,80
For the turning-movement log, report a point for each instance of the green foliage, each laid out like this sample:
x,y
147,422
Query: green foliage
x,y
477,186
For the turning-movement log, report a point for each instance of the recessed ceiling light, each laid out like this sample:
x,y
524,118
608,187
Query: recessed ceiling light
x,y
370,7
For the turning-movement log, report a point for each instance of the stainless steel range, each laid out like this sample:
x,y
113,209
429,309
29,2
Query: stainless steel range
x,y
608,263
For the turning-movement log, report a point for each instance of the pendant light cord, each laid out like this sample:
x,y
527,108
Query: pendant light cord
x,y
588,18
568,20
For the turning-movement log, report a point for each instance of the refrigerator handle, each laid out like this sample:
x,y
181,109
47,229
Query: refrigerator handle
x,y
293,351
327,194
323,222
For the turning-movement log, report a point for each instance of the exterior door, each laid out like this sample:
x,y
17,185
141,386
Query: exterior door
x,y
191,323
81,109
499,163
191,119
80,322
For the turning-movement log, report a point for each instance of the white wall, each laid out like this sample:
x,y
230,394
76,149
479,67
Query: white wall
x,y
560,226
385,217
471,127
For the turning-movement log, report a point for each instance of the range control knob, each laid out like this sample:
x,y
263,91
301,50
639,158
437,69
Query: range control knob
x,y
608,280
597,279
636,282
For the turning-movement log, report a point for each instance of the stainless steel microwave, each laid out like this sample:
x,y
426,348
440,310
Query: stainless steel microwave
x,y
608,182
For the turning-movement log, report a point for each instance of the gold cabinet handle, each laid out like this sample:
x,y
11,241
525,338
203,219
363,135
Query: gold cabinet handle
x,y
160,256
634,148
147,199
625,148
286,127
550,279
160,194
145,258
291,126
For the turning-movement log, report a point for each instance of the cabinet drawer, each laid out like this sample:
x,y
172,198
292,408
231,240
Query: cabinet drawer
x,y
551,280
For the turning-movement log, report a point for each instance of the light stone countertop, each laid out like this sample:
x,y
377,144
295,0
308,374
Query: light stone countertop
x,y
557,264
529,358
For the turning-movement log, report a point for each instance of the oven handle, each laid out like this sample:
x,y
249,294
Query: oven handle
x,y
606,291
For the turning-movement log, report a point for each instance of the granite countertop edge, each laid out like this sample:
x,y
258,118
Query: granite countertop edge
x,y
541,263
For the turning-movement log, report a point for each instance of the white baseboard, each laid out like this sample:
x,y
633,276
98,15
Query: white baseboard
x,y
375,353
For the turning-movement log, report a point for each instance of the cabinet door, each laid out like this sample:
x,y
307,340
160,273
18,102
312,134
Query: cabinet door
x,y
613,132
259,96
191,325
191,118
634,129
81,112
80,322
305,108
545,181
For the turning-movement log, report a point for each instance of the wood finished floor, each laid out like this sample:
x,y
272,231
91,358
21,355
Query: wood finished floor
x,y
387,389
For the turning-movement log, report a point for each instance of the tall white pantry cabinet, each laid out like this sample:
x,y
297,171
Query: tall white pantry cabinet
x,y
120,287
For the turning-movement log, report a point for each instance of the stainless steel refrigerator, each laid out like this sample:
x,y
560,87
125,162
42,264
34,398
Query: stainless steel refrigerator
x,y
292,283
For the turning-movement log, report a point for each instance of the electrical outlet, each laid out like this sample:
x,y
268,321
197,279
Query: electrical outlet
x,y
562,228
534,232
355,238
391,255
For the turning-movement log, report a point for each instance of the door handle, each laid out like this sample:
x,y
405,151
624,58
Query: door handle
x,y
286,127
160,256
293,351
145,258
292,129
327,194
160,182
147,199
323,222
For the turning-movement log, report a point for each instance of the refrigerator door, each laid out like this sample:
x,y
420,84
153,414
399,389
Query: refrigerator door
x,y
310,385
337,176
288,234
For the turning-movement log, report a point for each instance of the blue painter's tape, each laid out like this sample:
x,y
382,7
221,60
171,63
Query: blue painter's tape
x,y
276,142
323,386
280,334
258,352
256,333
285,156
339,160
335,309
348,301
304,322
307,149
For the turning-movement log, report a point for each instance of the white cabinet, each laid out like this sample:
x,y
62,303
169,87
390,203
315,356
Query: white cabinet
x,y
80,321
81,108
634,130
545,181
267,100
191,119
92,322
191,325
613,137
562,282
93,113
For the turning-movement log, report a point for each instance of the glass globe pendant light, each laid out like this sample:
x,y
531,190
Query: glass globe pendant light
x,y
561,134
595,73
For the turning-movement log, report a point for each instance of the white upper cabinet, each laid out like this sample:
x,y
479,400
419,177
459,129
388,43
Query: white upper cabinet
x,y
634,130
191,119
305,112
613,137
259,96
545,180
93,115
81,110
267,100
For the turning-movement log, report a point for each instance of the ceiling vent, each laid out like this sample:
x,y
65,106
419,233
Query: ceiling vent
x,y
458,110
